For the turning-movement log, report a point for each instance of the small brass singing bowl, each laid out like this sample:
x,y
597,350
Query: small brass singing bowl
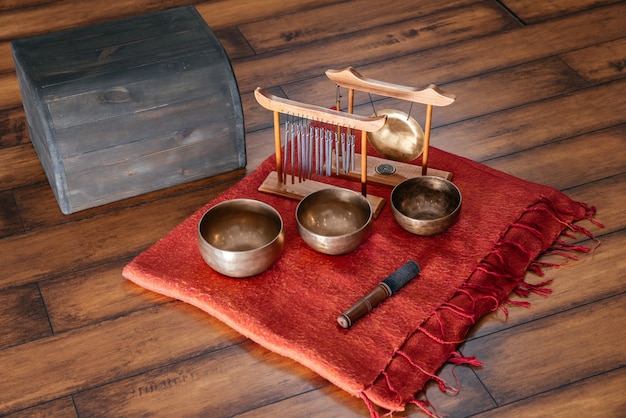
x,y
400,139
334,221
426,205
241,237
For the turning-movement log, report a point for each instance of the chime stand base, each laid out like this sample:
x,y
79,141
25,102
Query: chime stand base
x,y
378,171
299,189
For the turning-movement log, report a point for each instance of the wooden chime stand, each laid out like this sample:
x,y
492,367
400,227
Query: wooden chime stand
x,y
431,96
275,183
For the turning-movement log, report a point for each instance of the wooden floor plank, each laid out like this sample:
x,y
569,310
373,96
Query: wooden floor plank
x,y
599,63
19,166
10,95
607,196
203,386
377,44
597,396
327,401
530,11
91,356
535,124
338,19
22,316
63,407
13,129
563,164
94,295
584,341
223,13
10,222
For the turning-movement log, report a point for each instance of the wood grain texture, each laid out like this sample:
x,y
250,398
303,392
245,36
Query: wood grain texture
x,y
540,92
599,63
207,385
548,345
531,12
87,357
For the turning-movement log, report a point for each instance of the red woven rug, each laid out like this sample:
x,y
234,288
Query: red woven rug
x,y
388,356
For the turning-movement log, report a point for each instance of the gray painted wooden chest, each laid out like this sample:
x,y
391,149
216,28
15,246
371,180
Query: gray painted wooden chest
x,y
122,108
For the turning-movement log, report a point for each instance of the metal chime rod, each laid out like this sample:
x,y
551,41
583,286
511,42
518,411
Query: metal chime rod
x,y
292,140
286,152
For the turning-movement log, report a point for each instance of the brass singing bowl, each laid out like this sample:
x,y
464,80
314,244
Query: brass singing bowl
x,y
400,139
334,221
241,237
426,205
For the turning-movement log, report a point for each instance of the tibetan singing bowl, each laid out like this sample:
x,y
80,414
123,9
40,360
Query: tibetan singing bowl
x,y
241,237
334,221
426,205
400,139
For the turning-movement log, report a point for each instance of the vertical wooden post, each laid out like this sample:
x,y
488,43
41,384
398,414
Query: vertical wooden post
x,y
364,163
429,117
279,159
350,101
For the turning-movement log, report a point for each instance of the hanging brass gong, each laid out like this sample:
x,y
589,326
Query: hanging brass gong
x,y
400,139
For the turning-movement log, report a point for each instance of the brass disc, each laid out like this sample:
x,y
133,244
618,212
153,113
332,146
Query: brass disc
x,y
400,139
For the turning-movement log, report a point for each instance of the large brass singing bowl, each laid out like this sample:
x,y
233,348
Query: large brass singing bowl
x,y
241,237
426,205
400,139
334,221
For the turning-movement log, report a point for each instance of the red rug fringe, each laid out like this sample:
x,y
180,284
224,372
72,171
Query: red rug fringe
x,y
477,297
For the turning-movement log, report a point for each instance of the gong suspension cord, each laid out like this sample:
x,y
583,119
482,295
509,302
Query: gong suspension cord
x,y
408,116
372,103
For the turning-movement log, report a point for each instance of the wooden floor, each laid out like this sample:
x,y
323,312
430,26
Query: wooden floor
x,y
541,94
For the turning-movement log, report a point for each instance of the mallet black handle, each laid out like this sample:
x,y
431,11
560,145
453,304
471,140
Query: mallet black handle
x,y
382,291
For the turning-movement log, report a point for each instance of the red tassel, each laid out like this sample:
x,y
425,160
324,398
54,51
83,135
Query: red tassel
x,y
458,358
424,406
442,384
370,406
535,268
517,303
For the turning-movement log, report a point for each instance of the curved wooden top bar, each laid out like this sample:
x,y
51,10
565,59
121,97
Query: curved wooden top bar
x,y
352,79
309,111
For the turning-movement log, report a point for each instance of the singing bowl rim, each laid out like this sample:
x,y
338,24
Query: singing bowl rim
x,y
240,263
335,244
426,227
381,139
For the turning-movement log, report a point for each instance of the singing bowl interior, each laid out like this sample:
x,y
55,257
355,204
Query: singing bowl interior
x,y
334,221
400,139
241,237
426,205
